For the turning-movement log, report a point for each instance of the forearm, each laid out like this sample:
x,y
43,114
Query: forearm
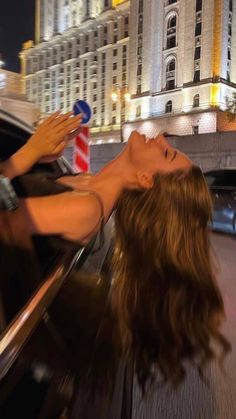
x,y
19,163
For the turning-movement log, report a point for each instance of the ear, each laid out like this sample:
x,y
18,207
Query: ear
x,y
144,180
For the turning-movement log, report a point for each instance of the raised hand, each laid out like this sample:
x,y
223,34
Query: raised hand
x,y
52,136
46,144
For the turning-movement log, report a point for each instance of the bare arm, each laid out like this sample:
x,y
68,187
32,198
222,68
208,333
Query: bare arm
x,y
74,215
48,141
77,215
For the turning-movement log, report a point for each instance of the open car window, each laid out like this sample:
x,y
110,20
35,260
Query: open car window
x,y
221,179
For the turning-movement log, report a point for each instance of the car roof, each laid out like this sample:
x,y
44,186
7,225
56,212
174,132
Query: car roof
x,y
14,120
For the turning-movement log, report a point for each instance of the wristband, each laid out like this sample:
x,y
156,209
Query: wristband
x,y
8,198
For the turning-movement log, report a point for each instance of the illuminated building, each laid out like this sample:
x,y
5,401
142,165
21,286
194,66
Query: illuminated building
x,y
178,59
81,52
13,100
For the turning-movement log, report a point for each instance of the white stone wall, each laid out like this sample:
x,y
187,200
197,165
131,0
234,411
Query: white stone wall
x,y
209,151
180,124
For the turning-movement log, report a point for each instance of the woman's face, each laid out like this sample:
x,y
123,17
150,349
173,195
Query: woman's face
x,y
155,155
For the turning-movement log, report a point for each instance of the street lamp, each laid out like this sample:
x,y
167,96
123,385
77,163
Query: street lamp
x,y
121,94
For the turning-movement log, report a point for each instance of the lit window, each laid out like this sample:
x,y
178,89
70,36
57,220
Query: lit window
x,y
196,76
198,29
168,107
171,2
139,70
170,74
171,32
138,111
196,100
198,5
197,54
139,89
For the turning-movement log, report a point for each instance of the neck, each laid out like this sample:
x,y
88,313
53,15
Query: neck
x,y
120,171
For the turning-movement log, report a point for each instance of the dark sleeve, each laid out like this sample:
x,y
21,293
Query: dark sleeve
x,y
38,185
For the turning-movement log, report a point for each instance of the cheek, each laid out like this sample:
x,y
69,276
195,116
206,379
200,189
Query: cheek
x,y
137,152
155,160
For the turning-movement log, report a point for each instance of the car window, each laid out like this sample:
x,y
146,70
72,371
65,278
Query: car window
x,y
221,179
230,178
11,138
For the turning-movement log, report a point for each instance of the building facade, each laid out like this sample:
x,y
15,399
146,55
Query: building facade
x,y
13,100
81,52
176,59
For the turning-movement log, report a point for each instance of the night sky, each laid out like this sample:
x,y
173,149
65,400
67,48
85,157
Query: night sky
x,y
17,23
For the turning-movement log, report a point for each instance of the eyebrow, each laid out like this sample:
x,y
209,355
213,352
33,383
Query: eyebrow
x,y
174,155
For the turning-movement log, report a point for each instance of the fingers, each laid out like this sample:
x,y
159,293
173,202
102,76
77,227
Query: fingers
x,y
59,149
60,119
49,119
70,125
73,134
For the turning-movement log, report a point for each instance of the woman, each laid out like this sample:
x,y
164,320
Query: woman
x,y
164,298
77,216
165,306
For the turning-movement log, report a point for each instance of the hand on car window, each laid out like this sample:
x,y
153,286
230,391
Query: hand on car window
x,y
46,144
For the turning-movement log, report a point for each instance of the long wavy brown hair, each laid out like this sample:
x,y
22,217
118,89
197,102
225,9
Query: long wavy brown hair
x,y
164,294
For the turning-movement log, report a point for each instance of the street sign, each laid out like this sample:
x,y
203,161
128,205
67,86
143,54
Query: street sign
x,y
80,106
81,156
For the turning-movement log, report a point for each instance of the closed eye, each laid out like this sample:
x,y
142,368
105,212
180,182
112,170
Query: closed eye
x,y
174,155
170,156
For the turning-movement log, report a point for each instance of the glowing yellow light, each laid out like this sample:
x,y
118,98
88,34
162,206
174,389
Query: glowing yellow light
x,y
127,97
28,44
215,94
217,46
114,96
117,2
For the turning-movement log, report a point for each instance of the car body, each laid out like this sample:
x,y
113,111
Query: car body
x,y
222,184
